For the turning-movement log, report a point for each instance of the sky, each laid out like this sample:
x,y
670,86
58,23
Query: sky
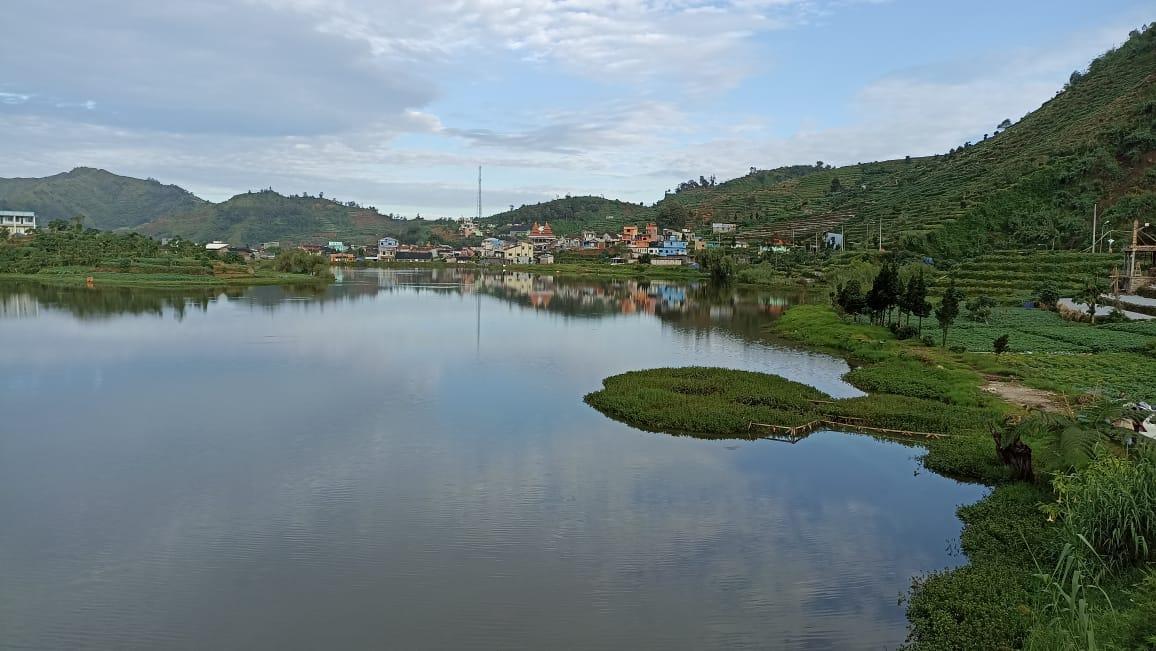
x,y
395,103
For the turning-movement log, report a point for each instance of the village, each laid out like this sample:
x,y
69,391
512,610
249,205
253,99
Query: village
x,y
533,244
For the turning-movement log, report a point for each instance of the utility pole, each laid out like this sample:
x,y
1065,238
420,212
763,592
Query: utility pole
x,y
1095,209
479,194
881,235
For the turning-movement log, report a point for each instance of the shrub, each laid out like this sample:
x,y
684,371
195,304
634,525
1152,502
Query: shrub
x,y
903,331
928,341
1112,504
1000,344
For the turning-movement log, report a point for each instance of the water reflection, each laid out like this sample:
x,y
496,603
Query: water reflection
x,y
350,469
697,305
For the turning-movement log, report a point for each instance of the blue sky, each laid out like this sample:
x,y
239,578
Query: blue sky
x,y
394,103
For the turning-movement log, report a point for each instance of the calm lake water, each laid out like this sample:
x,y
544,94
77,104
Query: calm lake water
x,y
404,460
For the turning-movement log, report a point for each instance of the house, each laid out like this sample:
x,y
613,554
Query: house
x,y
629,233
218,247
671,261
546,258
16,222
667,248
338,247
640,247
311,248
652,232
243,251
342,258
834,240
467,228
520,253
542,233
386,248
723,228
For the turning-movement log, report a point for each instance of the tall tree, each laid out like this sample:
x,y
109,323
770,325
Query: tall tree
x,y
850,299
948,309
917,300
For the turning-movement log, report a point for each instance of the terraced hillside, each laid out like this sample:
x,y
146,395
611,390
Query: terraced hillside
x,y
1030,184
1018,274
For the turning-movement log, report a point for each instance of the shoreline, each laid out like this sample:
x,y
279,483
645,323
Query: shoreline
x,y
114,279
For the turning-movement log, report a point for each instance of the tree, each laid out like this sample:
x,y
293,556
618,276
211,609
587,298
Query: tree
x,y
718,264
850,299
1000,344
885,293
1011,449
1047,295
836,185
915,298
1005,124
948,309
979,308
1090,295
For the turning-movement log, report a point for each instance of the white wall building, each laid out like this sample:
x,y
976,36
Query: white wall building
x,y
17,223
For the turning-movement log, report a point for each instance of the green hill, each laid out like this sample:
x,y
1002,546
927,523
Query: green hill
x,y
1030,185
572,215
263,216
108,201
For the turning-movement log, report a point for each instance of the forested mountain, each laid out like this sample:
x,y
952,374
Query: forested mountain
x,y
107,201
263,216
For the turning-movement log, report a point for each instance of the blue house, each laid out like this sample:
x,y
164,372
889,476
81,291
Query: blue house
x,y
667,248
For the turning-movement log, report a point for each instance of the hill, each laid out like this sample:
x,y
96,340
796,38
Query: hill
x,y
572,215
107,200
264,216
1027,185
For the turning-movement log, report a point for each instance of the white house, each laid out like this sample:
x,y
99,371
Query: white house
x,y
217,246
387,248
17,223
723,228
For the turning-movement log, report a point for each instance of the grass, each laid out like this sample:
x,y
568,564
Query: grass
x,y
1041,331
705,402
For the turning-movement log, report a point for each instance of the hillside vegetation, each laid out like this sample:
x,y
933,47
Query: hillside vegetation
x,y
572,215
107,201
263,216
1027,185
1032,184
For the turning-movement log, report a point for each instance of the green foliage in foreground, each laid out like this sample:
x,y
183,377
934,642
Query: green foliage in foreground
x,y
1112,504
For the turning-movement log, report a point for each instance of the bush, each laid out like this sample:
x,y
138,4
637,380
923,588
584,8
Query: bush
x,y
903,331
1112,504
1000,344
928,341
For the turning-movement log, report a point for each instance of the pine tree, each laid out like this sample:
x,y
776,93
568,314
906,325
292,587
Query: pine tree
x,y
948,309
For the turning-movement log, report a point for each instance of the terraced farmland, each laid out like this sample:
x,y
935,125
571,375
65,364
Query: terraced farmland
x,y
1016,275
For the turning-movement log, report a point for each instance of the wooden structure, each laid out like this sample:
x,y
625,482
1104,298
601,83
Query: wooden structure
x,y
1143,242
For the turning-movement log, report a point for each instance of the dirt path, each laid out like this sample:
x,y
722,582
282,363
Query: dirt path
x,y
1018,394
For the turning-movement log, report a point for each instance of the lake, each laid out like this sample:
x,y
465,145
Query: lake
x,y
404,460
